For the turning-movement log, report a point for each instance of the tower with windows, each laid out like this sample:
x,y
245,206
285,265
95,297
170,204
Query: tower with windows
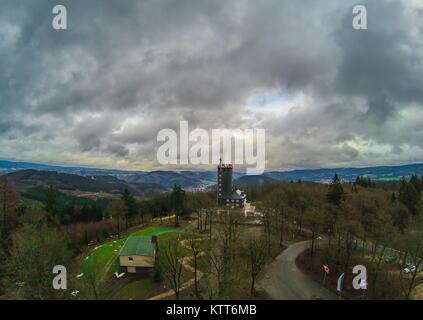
x,y
226,195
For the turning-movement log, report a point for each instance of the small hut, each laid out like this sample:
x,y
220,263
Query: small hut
x,y
138,255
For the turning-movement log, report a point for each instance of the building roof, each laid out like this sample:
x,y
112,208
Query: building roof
x,y
233,196
138,246
241,193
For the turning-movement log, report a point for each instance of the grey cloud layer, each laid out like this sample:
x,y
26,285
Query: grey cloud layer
x,y
98,93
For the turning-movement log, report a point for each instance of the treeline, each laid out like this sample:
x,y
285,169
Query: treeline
x,y
68,210
99,219
365,182
409,194
177,203
417,183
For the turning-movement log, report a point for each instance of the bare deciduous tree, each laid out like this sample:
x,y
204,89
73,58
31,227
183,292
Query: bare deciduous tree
x,y
413,245
171,263
257,254
195,249
117,210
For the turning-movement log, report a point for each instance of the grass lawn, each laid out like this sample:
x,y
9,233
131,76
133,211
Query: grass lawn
x,y
138,289
104,259
154,231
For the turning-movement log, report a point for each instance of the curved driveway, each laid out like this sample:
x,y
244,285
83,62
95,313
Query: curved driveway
x,y
284,281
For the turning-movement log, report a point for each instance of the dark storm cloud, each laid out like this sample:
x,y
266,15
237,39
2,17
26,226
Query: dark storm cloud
x,y
126,69
383,66
387,58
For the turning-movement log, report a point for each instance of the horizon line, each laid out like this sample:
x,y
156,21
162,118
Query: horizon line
x,y
194,169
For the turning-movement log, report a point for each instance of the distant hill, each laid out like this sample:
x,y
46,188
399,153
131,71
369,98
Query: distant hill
x,y
166,179
28,179
248,181
186,179
202,179
384,173
13,166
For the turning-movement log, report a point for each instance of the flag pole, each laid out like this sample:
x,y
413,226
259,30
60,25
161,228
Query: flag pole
x,y
326,270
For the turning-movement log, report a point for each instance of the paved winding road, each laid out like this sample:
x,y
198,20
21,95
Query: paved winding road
x,y
284,281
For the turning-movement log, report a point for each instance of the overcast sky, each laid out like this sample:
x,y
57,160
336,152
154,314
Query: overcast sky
x,y
98,93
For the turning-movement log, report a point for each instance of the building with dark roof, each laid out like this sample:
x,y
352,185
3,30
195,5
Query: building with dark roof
x,y
137,255
227,196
